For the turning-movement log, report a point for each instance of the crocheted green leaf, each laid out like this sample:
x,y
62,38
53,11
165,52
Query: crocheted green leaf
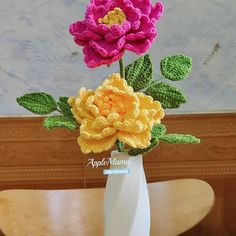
x,y
158,130
60,122
139,73
38,103
168,96
176,67
138,151
64,106
179,138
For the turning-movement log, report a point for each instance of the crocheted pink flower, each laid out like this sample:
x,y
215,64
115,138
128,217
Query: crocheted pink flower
x,y
113,26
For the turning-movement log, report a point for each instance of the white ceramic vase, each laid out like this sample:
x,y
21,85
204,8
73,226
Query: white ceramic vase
x,y
126,202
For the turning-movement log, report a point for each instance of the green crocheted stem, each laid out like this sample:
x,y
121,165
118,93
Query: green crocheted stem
x,y
176,67
60,122
168,96
120,145
179,139
138,151
139,74
122,68
38,103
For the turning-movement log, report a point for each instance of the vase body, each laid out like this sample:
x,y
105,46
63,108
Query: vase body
x,y
126,202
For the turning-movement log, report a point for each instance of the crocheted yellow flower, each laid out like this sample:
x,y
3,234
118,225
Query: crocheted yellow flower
x,y
114,111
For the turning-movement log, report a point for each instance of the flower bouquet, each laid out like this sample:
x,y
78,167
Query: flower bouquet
x,y
126,110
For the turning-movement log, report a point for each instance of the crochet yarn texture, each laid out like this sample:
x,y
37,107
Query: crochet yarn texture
x,y
112,26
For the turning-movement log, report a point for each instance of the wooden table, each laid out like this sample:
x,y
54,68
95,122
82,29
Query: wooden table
x,y
176,206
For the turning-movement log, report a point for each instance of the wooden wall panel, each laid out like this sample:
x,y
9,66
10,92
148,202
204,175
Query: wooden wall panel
x,y
31,156
221,220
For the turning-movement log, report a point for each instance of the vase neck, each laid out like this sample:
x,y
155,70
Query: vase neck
x,y
118,154
124,160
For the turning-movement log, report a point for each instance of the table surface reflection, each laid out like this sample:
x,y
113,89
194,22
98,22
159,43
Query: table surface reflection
x,y
176,206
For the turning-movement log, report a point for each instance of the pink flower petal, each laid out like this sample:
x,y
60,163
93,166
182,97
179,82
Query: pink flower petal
x,y
147,30
96,11
80,42
93,59
108,49
85,37
138,46
77,28
116,31
120,3
148,27
97,28
157,11
88,35
104,44
146,24
100,2
81,34
143,5
132,37
132,14
136,25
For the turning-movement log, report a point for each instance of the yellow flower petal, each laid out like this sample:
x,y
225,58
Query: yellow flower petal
x,y
74,110
147,103
101,122
130,125
97,146
143,117
91,107
79,108
154,109
113,117
159,116
114,111
88,131
116,82
141,140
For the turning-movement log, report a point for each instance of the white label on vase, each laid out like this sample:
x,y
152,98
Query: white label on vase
x,y
116,171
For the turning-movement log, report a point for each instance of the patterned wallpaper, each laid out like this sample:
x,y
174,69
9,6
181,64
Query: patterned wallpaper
x,y
38,54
